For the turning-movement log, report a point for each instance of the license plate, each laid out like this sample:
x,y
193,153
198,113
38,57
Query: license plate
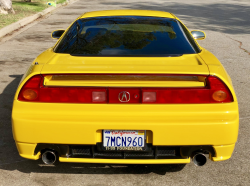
x,y
124,139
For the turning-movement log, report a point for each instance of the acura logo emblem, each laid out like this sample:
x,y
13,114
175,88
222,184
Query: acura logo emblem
x,y
124,96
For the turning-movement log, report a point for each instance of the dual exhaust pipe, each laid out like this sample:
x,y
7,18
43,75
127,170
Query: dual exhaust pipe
x,y
199,159
49,157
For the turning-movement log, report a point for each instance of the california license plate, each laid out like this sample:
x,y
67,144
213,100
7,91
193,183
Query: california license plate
x,y
124,139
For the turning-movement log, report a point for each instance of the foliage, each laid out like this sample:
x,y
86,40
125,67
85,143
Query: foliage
x,y
24,9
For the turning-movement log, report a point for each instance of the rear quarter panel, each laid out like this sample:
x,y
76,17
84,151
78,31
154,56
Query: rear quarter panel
x,y
216,69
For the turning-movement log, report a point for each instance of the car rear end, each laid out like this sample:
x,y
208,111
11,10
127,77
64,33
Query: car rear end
x,y
125,110
179,115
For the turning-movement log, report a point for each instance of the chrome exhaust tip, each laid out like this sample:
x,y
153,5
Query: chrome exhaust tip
x,y
199,159
49,157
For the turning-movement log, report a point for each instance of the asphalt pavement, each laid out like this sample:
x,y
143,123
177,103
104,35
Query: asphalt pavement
x,y
227,25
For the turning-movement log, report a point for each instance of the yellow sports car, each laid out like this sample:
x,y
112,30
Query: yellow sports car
x,y
126,87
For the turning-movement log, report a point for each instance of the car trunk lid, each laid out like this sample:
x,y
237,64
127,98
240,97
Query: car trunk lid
x,y
182,71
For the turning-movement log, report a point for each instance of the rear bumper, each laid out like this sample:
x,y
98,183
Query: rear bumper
x,y
167,125
221,153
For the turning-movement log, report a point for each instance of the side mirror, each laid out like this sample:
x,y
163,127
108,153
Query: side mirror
x,y
198,35
57,34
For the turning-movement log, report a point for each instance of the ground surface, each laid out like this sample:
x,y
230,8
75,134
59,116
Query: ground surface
x,y
227,25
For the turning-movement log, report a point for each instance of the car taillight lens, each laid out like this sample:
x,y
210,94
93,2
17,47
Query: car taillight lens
x,y
214,92
219,95
72,95
99,97
33,90
30,94
30,91
219,92
148,97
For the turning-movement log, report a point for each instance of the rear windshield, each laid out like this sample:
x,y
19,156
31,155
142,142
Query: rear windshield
x,y
126,36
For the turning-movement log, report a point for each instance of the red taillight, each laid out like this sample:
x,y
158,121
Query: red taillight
x,y
214,92
72,95
34,91
219,92
30,90
34,82
176,95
